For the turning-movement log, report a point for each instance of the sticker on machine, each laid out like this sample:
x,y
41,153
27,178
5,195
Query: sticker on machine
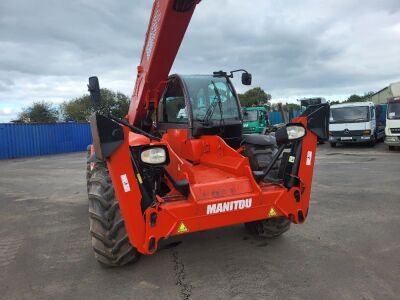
x,y
125,183
309,158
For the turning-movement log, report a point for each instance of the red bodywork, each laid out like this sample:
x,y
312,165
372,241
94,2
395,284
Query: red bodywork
x,y
220,175
223,190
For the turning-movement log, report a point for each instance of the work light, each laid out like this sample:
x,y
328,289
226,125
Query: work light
x,y
289,133
154,155
295,132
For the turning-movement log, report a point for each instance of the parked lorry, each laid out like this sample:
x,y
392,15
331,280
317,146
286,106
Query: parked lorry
x,y
255,119
357,122
392,129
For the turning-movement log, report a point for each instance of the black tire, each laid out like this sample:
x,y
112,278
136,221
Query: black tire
x,y
109,238
260,157
268,228
88,169
392,148
333,145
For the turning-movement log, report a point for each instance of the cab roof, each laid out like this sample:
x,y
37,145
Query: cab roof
x,y
353,104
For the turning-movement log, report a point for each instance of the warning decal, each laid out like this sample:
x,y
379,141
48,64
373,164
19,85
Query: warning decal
x,y
182,228
272,213
125,183
309,158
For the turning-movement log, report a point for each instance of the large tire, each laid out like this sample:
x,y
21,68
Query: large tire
x,y
392,148
268,228
333,145
109,238
88,168
260,157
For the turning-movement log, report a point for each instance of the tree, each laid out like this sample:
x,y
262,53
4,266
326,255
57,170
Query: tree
x,y
81,108
368,96
354,98
39,112
254,97
334,102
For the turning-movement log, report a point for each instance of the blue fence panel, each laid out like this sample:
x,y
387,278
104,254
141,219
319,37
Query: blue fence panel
x,y
275,117
24,140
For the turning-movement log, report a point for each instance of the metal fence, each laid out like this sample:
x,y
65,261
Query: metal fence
x,y
24,140
275,117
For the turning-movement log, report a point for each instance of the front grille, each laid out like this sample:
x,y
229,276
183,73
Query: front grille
x,y
249,130
395,130
350,133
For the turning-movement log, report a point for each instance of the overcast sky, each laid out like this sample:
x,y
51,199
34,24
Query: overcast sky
x,y
294,49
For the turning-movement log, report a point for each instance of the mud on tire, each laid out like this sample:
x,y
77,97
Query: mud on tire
x,y
268,228
109,238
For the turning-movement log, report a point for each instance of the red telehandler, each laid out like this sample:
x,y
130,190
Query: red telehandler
x,y
178,162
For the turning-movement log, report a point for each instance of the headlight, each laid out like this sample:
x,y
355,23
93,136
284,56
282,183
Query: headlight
x,y
367,132
290,132
154,156
295,132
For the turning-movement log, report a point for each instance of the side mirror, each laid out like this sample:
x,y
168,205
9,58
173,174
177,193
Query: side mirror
x,y
94,89
246,78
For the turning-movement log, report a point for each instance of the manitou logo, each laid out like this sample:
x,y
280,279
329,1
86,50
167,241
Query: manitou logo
x,y
228,206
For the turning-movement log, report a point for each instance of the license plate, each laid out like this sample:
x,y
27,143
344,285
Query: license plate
x,y
346,138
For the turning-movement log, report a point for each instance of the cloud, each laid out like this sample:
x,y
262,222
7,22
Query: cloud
x,y
294,49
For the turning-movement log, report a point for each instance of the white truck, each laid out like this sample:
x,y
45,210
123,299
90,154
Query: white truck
x,y
355,123
392,129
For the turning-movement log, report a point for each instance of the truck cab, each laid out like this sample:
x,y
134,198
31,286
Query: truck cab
x,y
392,129
255,119
354,123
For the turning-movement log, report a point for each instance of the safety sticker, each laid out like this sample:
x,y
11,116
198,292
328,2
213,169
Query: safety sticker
x,y
125,183
309,158
272,213
182,228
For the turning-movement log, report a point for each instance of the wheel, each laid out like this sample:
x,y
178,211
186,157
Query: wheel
x,y
333,145
260,157
88,168
392,148
109,238
268,228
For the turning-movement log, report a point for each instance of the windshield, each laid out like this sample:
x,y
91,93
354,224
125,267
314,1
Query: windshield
x,y
250,115
204,99
351,114
393,111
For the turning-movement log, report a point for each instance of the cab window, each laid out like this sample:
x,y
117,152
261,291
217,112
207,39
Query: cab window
x,y
173,107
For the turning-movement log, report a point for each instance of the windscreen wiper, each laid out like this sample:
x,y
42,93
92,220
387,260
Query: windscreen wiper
x,y
211,108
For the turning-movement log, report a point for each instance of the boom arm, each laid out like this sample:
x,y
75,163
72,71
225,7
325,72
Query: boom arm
x,y
168,23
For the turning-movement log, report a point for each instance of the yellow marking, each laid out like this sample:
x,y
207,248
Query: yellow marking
x,y
139,178
272,213
182,228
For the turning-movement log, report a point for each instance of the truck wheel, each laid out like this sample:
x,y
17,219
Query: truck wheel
x,y
268,228
391,148
109,238
333,145
374,140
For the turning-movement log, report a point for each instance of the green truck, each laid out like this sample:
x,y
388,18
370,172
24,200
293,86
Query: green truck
x,y
255,119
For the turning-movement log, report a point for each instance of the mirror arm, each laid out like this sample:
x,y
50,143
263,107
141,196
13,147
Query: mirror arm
x,y
239,70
